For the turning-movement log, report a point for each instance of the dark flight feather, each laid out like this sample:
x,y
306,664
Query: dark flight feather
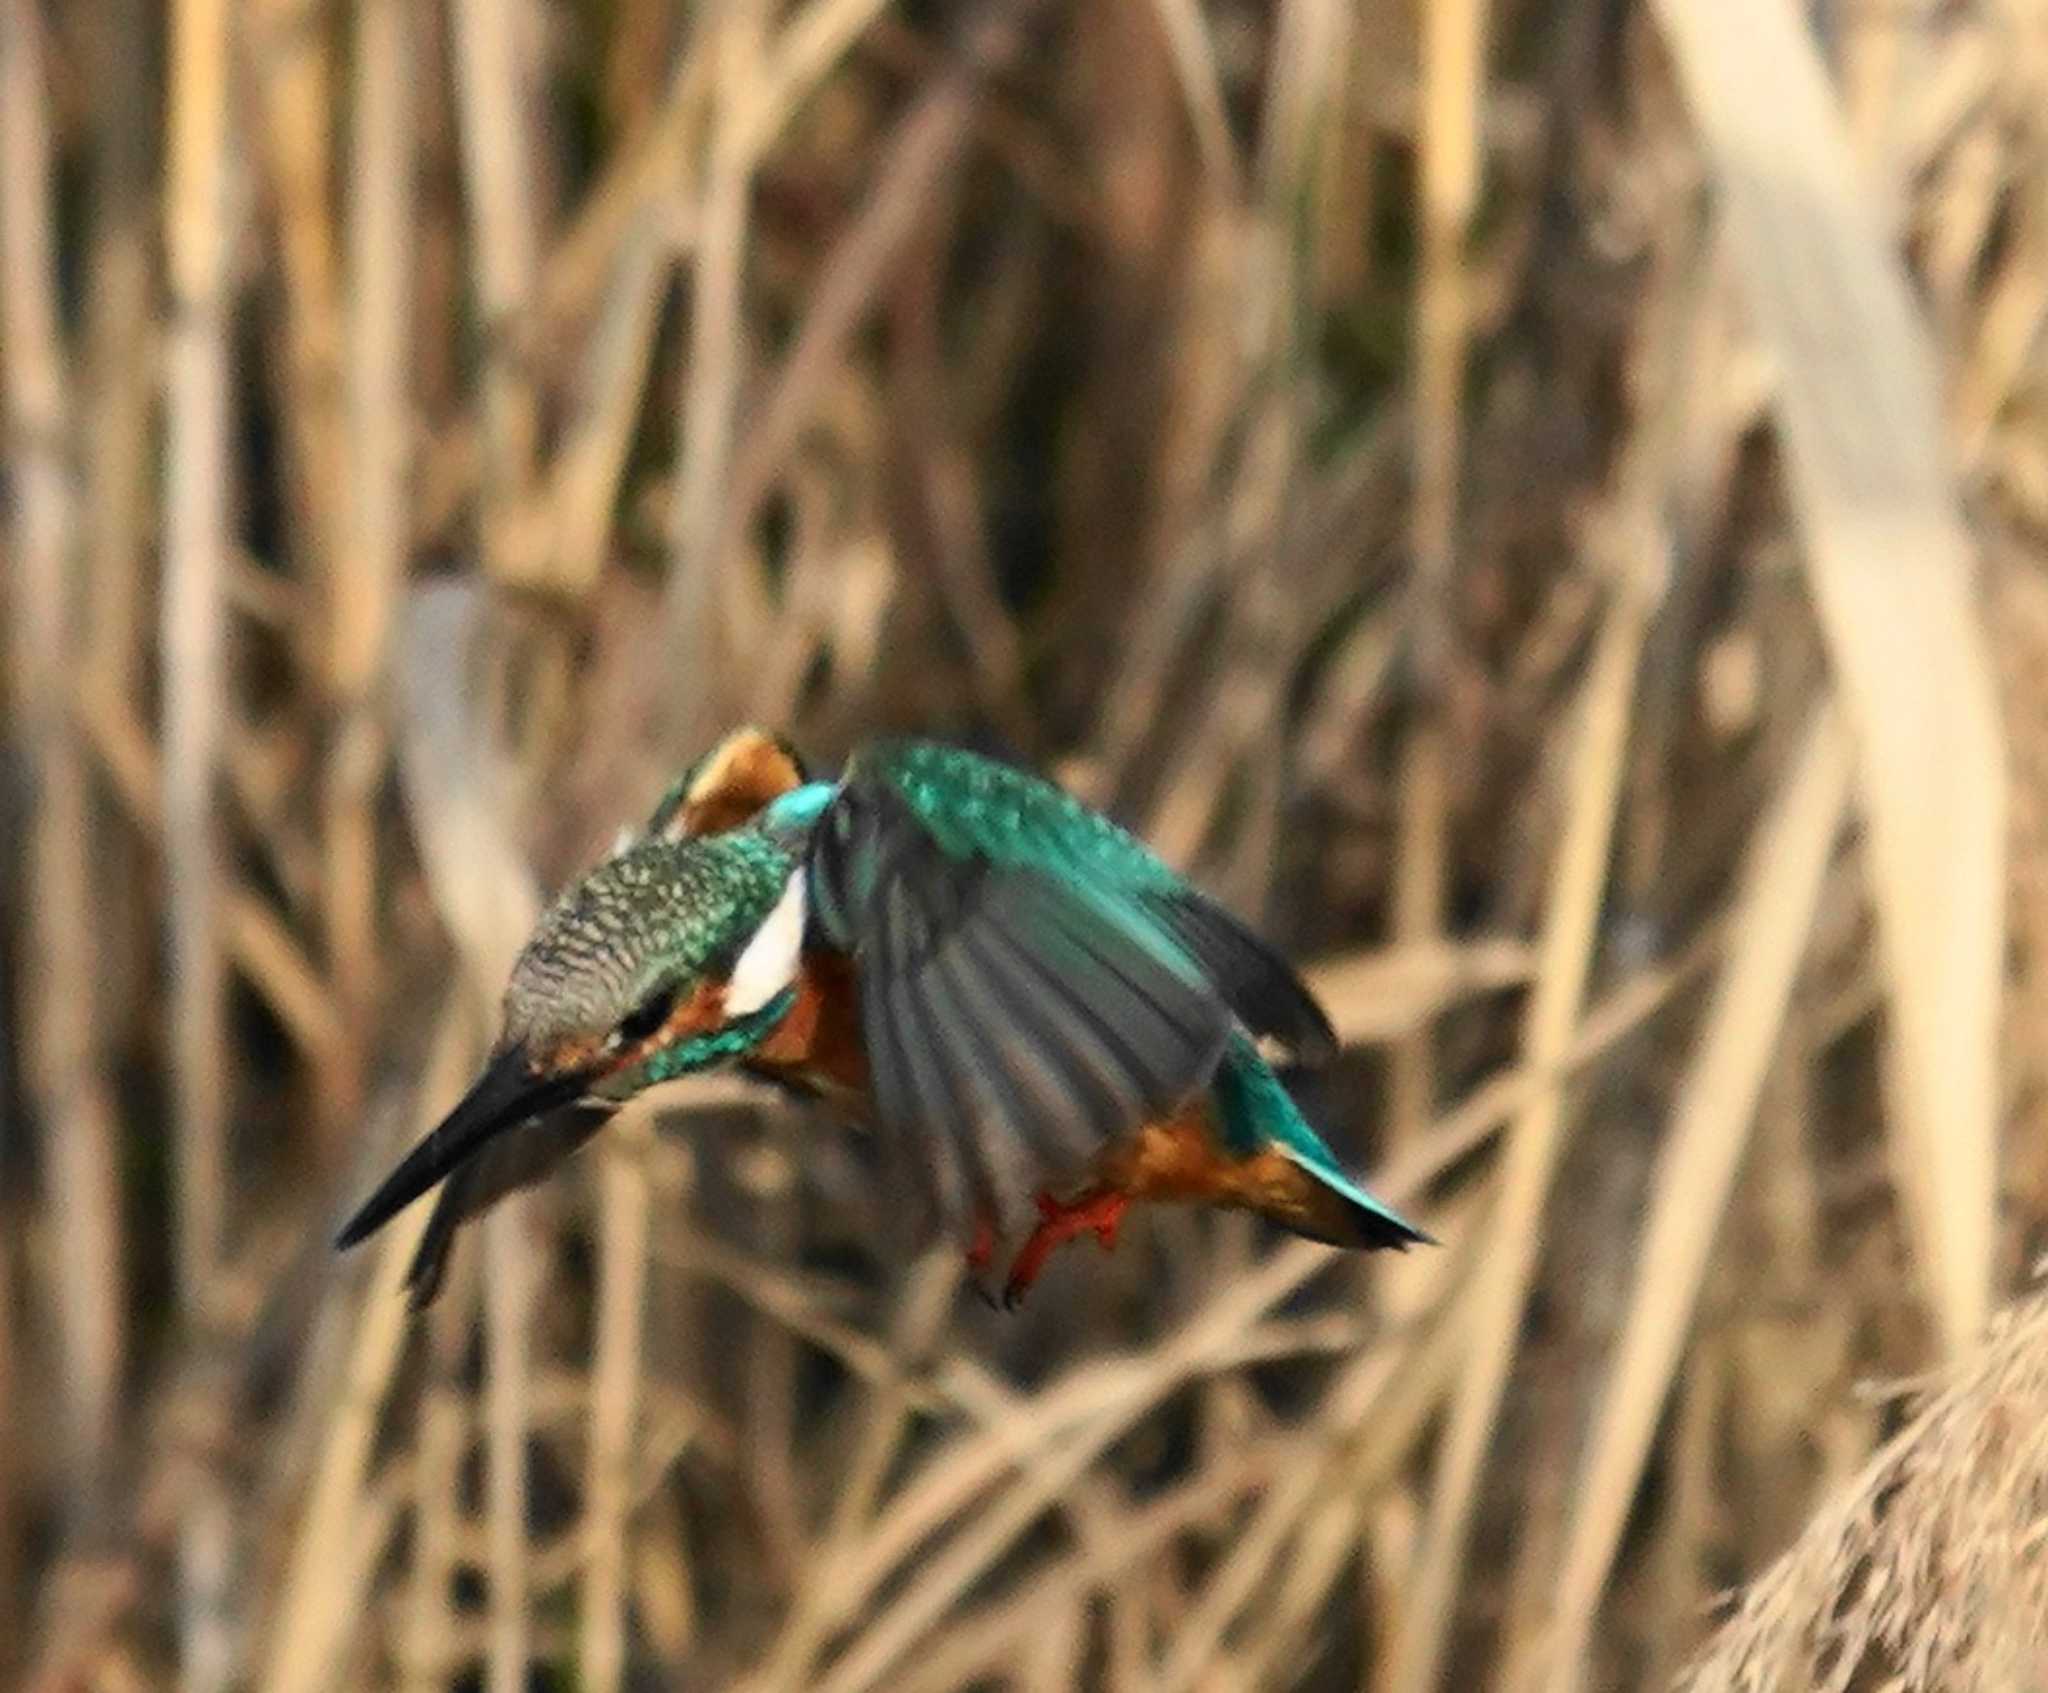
x,y
976,808
1015,1022
1260,986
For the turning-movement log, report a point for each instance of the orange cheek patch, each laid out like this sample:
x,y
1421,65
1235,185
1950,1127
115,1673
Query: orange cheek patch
x,y
703,1009
751,771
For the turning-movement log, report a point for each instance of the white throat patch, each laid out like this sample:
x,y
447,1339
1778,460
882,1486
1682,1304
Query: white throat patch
x,y
768,965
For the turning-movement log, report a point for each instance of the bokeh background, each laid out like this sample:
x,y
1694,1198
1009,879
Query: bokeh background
x,y
1543,503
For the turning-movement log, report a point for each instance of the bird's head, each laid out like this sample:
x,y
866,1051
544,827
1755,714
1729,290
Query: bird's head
x,y
656,962
665,959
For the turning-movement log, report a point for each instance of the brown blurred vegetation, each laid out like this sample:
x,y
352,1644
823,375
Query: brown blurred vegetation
x,y
1544,504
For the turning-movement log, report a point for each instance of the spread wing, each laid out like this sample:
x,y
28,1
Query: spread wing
x,y
1031,987
974,806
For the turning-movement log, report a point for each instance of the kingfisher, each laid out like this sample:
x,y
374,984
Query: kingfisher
x,y
1040,1022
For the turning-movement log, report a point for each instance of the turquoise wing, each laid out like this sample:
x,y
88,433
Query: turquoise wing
x,y
1015,1022
977,809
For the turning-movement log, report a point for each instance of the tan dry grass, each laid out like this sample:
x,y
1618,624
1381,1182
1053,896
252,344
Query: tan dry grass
x,y
1926,1571
1716,1106
1049,371
1856,391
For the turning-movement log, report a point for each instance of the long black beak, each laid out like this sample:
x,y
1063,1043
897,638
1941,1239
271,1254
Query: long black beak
x,y
504,1096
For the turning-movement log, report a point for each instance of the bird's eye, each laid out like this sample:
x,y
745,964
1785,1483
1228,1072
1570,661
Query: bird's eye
x,y
648,1016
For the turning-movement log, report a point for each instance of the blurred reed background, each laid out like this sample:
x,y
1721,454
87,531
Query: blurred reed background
x,y
1544,503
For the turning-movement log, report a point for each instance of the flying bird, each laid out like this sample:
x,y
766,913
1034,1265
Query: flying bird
x,y
1041,1023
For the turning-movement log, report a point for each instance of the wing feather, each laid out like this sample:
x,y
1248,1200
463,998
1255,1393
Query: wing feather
x,y
994,1157
1261,986
901,1085
1040,1049
979,807
1016,1023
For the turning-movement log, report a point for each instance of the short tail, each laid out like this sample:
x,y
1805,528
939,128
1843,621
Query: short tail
x,y
1259,1113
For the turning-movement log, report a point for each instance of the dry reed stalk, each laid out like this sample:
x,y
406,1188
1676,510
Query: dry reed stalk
x,y
1236,745
654,167
1453,82
293,84
495,97
1143,1535
923,1307
61,1062
664,1569
196,468
615,1371
121,383
328,1564
119,378
426,1655
458,786
945,519
604,407
1386,994
759,88
1302,97
483,891
508,1247
1191,45
197,459
207,1623
768,1375
1565,956
253,936
1856,398
2006,334
796,1302
923,147
806,49
900,1624
1716,1105
639,43
1633,531
1379,1403
1368,1456
701,566
1051,1439
368,569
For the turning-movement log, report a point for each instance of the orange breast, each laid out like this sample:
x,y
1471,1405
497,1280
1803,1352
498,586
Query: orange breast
x,y
1180,1158
1175,1157
818,1044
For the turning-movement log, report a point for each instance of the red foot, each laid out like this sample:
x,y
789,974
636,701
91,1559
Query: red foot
x,y
1098,1213
983,1246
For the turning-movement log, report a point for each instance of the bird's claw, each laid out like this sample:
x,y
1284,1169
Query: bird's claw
x,y
1098,1213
